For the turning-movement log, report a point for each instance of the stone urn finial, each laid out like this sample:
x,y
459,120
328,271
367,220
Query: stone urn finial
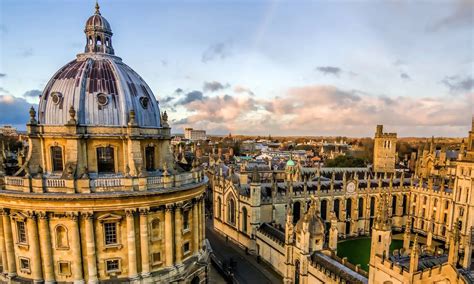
x,y
164,119
131,119
33,116
72,114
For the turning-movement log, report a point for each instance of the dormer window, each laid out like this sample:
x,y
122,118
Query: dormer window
x,y
56,97
102,99
144,101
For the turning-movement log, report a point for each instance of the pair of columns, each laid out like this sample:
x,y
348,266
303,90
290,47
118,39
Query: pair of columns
x,y
174,251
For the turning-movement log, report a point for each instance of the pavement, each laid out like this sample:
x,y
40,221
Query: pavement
x,y
247,270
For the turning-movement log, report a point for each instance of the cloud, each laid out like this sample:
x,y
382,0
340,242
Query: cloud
x,y
216,51
214,86
456,84
3,75
462,16
4,91
328,110
191,97
399,62
405,76
329,70
14,110
32,94
242,89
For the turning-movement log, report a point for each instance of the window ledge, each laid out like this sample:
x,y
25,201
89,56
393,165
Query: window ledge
x,y
113,272
113,246
186,230
23,245
25,270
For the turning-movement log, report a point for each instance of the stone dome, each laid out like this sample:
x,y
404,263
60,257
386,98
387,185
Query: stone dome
x,y
97,21
101,88
315,223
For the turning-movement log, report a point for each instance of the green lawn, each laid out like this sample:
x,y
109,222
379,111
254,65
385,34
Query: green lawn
x,y
357,251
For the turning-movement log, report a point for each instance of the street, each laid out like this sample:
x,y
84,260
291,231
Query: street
x,y
247,270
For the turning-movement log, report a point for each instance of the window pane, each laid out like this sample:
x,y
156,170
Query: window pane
x,y
105,160
110,230
57,158
150,158
21,232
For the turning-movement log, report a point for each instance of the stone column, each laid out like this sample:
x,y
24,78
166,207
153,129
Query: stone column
x,y
7,231
131,243
169,235
196,232
76,262
33,240
178,233
144,242
203,221
91,248
3,249
46,248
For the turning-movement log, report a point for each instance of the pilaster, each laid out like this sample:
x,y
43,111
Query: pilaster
x,y
168,235
131,243
33,240
45,247
91,248
144,242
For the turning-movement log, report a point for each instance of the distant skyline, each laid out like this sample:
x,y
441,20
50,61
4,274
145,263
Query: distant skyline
x,y
263,67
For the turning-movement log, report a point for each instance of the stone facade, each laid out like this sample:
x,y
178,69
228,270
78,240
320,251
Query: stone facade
x,y
101,203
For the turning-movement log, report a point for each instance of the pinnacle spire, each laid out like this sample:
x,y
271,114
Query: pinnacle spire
x,y
97,7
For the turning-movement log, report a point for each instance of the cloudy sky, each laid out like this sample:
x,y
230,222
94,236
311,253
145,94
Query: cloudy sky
x,y
264,67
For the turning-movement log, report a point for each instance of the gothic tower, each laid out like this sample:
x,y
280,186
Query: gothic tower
x,y
381,231
385,145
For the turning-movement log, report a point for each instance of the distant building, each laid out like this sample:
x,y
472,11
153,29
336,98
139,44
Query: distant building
x,y
8,130
193,134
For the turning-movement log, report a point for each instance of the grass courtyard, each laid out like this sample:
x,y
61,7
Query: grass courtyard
x,y
357,251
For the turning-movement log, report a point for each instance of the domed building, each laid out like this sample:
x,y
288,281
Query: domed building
x,y
99,197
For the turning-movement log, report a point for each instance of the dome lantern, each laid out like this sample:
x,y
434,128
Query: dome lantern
x,y
98,33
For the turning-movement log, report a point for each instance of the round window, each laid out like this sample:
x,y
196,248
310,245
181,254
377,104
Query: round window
x,y
144,101
102,99
56,97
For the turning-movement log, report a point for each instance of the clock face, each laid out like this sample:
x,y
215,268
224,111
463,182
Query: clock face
x,y
350,188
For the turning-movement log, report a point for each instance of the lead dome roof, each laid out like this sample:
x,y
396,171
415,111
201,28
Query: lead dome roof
x,y
99,86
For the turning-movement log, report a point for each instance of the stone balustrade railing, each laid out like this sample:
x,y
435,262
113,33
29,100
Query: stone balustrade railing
x,y
100,184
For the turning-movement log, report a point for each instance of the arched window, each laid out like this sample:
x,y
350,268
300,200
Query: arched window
x,y
394,204
296,211
336,207
404,204
62,241
155,230
98,41
425,199
150,158
105,160
361,207
244,219
372,206
107,43
57,158
348,208
90,40
219,208
231,211
324,205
